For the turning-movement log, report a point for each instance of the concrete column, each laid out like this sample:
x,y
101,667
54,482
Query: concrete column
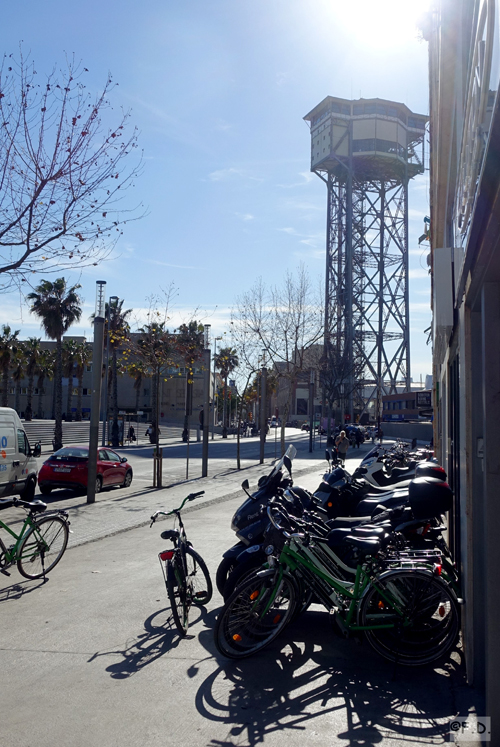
x,y
491,413
472,518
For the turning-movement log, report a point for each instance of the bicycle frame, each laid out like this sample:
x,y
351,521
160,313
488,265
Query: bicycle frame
x,y
11,553
292,558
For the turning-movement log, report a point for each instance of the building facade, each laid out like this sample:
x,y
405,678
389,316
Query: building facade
x,y
464,73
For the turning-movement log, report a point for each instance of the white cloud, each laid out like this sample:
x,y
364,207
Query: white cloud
x,y
245,216
290,231
418,273
307,178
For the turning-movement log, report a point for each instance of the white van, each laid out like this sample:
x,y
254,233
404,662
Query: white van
x,y
18,466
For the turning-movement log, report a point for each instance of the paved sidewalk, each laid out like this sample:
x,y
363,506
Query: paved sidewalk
x,y
91,658
118,510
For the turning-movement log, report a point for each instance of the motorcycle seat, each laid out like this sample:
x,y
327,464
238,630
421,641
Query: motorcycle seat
x,y
366,546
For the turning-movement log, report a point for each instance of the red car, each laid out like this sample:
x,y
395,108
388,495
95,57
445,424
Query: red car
x,y
67,468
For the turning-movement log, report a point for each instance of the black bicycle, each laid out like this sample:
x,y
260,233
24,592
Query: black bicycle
x,y
186,575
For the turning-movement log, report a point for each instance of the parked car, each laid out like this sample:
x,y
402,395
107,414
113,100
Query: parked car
x,y
18,466
68,468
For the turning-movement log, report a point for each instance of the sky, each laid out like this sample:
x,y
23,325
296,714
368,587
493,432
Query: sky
x,y
218,91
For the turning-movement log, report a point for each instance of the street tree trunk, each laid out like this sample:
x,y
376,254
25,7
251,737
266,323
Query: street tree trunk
x,y
5,387
69,399
40,384
58,442
28,415
115,433
79,401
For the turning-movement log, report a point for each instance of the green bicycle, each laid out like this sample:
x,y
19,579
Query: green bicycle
x,y
408,614
185,573
40,544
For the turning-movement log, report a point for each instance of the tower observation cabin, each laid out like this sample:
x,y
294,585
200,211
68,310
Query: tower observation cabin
x,y
366,151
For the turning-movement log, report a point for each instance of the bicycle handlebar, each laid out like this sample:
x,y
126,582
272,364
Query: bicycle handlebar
x,y
189,497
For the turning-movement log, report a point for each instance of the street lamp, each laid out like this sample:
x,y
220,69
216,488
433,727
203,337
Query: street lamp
x,y
311,409
215,394
114,300
206,403
99,318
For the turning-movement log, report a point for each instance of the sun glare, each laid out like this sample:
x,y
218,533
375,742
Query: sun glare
x,y
380,23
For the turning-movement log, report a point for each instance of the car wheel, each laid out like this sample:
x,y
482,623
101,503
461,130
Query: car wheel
x,y
98,484
45,489
128,479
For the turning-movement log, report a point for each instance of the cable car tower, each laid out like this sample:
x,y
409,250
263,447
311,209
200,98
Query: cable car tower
x,y
366,151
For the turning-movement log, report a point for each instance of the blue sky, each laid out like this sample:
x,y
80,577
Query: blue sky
x,y
218,91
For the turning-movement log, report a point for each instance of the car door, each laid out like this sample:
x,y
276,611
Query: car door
x,y
117,467
105,467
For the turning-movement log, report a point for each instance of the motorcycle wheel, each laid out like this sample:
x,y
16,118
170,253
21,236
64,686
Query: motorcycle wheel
x,y
241,571
225,567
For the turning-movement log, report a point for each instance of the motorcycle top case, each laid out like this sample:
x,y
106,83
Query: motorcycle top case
x,y
429,497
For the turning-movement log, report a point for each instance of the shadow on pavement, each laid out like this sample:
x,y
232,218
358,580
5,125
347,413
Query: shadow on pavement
x,y
20,589
160,636
311,674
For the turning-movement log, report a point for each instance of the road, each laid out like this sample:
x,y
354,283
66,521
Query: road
x,y
91,659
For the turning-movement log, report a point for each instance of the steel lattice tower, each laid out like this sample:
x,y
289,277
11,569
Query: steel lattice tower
x,y
366,151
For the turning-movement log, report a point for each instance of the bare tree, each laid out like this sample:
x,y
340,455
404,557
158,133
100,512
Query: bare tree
x,y
280,324
62,171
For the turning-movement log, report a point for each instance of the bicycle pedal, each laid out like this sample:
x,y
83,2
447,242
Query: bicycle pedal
x,y
5,573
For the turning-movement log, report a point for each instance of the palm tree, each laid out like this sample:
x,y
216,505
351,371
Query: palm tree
x,y
189,344
118,332
8,347
58,307
44,370
226,361
69,351
83,356
18,364
33,350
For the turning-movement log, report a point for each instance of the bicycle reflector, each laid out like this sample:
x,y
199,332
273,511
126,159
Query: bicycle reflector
x,y
167,555
437,569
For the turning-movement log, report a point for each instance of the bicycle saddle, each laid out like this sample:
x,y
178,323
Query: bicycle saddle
x,y
170,534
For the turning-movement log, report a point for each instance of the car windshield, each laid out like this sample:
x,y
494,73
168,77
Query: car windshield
x,y
71,454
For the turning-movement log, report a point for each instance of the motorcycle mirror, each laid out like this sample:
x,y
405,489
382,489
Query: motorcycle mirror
x,y
245,484
288,463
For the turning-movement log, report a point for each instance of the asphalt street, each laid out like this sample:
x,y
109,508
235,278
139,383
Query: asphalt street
x,y
91,657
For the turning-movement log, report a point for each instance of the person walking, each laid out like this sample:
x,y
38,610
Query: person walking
x,y
359,437
342,444
381,434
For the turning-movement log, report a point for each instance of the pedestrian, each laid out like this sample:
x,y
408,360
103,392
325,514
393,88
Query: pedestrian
x,y
131,434
359,437
381,434
342,444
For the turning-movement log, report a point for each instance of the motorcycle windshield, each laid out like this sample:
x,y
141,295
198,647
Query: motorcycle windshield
x,y
290,453
373,452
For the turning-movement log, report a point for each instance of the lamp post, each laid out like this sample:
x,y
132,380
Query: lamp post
x,y
99,319
262,412
206,403
216,396
311,409
114,299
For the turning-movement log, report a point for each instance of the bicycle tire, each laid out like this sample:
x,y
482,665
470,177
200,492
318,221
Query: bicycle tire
x,y
431,608
47,539
199,578
3,554
178,595
245,626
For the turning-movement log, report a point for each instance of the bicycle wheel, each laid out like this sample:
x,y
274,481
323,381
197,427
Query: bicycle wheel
x,y
255,613
431,619
178,594
43,546
199,577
